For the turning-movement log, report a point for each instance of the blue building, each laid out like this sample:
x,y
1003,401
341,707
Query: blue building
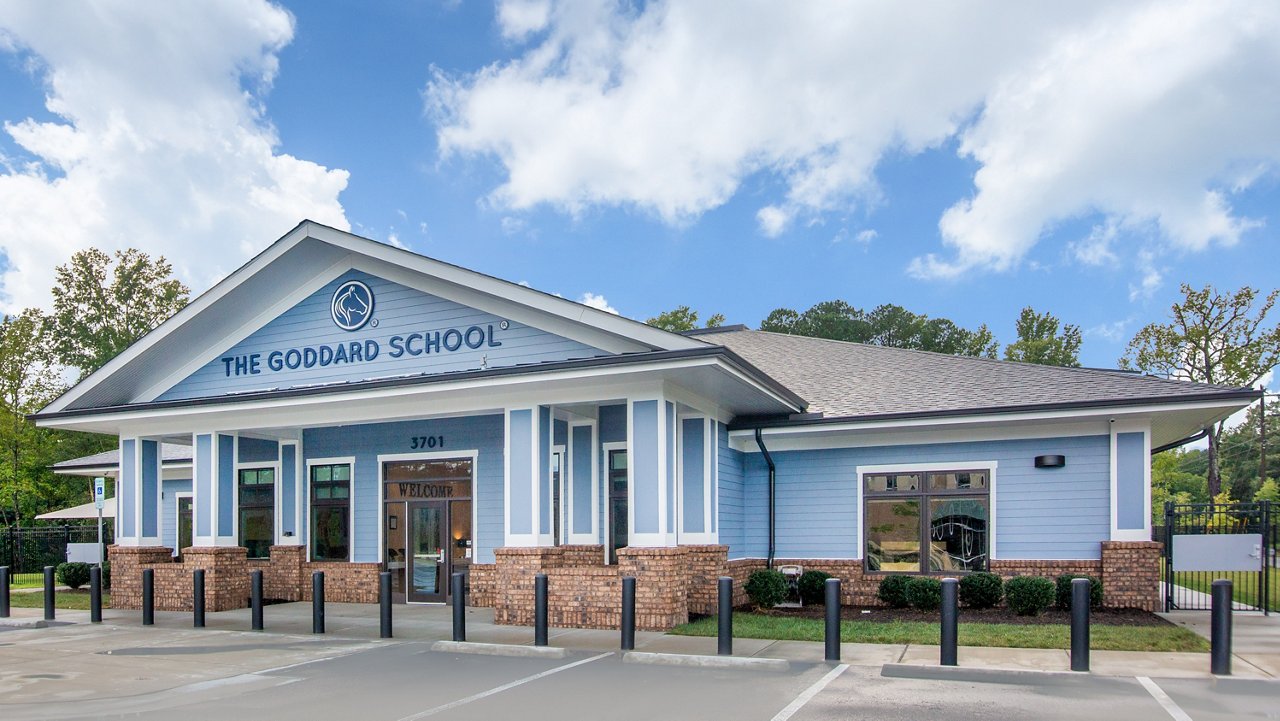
x,y
338,404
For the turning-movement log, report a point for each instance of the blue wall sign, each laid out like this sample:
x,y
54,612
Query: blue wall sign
x,y
352,305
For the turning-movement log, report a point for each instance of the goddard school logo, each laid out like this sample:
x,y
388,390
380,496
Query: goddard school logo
x,y
352,305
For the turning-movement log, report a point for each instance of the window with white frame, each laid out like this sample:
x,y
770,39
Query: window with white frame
x,y
331,512
927,521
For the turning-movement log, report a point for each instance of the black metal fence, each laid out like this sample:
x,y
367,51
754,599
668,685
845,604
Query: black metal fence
x,y
26,551
1254,589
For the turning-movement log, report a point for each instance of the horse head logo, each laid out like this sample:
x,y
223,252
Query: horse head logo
x,y
352,305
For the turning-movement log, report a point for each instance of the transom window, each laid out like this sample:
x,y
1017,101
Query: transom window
x,y
945,513
257,490
331,512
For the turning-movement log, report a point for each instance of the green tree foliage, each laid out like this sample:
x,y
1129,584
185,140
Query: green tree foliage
x,y
887,325
1171,481
1269,491
102,305
682,318
1240,451
28,381
1211,337
1042,339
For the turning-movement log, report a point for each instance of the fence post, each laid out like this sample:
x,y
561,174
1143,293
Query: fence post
x,y
459,606
4,591
950,620
49,599
629,613
540,610
255,599
1080,599
148,597
384,604
317,601
832,588
197,598
95,595
724,616
1220,629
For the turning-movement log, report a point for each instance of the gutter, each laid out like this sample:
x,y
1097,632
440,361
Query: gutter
x,y
1204,433
773,477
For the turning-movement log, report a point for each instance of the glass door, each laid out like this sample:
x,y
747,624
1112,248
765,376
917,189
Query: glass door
x,y
428,560
618,528
184,524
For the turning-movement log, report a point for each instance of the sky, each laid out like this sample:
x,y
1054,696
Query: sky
x,y
961,159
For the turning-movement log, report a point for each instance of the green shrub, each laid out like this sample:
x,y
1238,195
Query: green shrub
x,y
72,575
1029,595
813,585
981,590
924,593
893,591
1064,591
766,588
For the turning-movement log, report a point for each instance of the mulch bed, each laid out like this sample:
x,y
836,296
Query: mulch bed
x,y
1104,617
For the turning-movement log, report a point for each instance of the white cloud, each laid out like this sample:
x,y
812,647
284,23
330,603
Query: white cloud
x,y
1150,280
520,18
1147,114
393,239
1096,249
1115,331
598,302
160,139
866,236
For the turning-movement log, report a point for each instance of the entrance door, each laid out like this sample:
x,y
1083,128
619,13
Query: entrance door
x,y
618,528
184,524
428,558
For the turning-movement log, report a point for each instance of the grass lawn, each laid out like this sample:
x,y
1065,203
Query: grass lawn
x,y
1109,638
67,600
1244,585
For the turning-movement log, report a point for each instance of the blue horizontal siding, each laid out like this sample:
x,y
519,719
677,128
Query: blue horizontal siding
x,y
398,310
367,442
729,494
1040,513
169,507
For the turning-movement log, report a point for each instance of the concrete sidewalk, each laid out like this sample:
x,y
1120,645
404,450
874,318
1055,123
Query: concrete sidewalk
x,y
1256,643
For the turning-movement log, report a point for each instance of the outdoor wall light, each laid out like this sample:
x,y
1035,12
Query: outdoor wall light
x,y
1051,461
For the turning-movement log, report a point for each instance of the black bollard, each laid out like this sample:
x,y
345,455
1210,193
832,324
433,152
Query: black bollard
x,y
95,595
724,617
49,599
148,597
459,591
540,610
384,604
1220,629
832,588
255,599
197,597
317,601
1080,588
950,621
629,613
4,591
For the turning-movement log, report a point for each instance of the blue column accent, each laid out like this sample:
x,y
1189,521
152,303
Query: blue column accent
x,y
693,456
645,465
288,488
127,488
1131,478
581,477
226,484
202,497
150,487
544,470
258,450
519,469
670,459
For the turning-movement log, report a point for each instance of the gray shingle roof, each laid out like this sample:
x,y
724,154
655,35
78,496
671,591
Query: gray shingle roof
x,y
841,379
169,453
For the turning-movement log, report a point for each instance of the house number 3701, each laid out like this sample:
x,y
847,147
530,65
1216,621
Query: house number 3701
x,y
426,442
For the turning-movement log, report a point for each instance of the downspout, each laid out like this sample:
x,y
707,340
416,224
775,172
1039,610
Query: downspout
x,y
773,477
1204,433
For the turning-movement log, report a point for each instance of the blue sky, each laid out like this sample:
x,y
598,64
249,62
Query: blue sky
x,y
957,165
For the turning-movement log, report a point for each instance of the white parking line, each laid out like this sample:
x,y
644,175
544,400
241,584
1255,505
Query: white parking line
x,y
1163,699
807,695
500,689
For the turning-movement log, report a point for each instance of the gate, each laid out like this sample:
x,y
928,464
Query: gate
x,y
26,551
1204,542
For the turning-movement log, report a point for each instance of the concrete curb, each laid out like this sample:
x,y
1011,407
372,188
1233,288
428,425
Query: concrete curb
x,y
23,623
747,663
969,673
498,649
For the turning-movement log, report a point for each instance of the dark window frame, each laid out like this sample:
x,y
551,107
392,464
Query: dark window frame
x,y
613,494
241,506
923,495
316,503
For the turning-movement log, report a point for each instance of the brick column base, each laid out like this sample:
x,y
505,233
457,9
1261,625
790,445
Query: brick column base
x,y
513,594
127,564
226,576
282,576
1131,574
662,585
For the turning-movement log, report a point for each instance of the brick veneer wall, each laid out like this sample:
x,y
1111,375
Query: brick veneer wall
x,y
226,580
1131,574
482,584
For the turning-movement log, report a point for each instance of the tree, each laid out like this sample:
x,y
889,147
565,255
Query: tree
x,y
1170,481
1212,337
1042,339
28,381
681,319
1269,491
1240,450
887,325
93,320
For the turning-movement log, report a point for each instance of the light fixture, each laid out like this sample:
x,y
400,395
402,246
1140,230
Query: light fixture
x,y
1051,461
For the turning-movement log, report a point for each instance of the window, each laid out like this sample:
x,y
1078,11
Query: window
x,y
257,490
330,512
927,521
617,485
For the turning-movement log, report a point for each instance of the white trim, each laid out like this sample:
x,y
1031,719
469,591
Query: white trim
x,y
177,517
563,450
990,466
276,468
590,537
351,502
744,440
606,523
1130,534
708,535
520,540
296,538
471,454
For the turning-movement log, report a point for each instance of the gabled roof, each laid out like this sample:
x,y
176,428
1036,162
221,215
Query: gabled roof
x,y
169,453
854,380
250,296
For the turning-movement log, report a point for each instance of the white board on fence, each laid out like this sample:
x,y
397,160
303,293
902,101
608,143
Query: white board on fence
x,y
82,552
1218,552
